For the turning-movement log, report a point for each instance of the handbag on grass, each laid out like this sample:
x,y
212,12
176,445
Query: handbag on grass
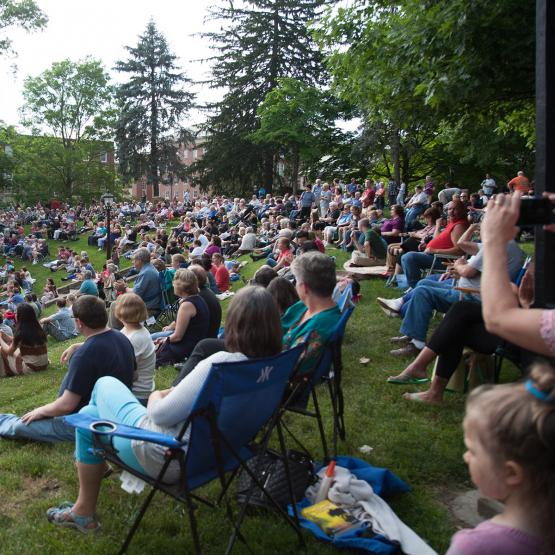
x,y
269,469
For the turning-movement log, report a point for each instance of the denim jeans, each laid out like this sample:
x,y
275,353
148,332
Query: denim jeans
x,y
47,430
414,262
408,296
413,213
159,334
425,299
110,400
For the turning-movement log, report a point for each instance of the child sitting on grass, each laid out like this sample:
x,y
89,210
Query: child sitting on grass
x,y
509,432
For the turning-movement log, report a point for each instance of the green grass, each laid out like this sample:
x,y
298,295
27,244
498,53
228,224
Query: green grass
x,y
421,444
40,273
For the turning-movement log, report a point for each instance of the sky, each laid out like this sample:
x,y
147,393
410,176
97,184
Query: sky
x,y
101,29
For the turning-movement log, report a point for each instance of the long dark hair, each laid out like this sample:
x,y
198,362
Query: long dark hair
x,y
28,331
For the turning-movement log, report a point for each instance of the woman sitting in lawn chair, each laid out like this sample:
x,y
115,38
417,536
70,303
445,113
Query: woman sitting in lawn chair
x,y
252,330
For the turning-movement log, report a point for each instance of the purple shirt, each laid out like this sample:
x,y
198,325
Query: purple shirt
x,y
394,223
489,538
211,249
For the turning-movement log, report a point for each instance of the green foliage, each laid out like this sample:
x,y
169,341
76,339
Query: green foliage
x,y
152,104
416,68
71,100
70,112
259,43
300,119
19,13
46,168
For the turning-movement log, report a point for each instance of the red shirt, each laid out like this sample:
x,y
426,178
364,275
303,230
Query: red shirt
x,y
222,277
443,240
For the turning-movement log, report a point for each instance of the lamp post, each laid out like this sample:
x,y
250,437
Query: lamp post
x,y
108,200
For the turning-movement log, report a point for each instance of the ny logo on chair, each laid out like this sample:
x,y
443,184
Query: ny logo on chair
x,y
264,374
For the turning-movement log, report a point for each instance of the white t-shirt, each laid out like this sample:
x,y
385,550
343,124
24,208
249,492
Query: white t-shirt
x,y
167,415
248,242
145,355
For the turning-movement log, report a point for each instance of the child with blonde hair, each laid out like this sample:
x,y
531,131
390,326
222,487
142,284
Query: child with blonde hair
x,y
131,310
510,439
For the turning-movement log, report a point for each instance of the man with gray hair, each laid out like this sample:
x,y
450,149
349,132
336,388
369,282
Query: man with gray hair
x,y
147,285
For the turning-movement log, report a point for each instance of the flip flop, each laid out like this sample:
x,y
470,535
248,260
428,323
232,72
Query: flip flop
x,y
407,380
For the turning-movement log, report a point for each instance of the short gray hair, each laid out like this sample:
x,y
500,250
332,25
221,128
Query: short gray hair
x,y
142,255
317,271
87,274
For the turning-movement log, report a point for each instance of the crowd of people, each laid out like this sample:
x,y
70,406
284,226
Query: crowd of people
x,y
457,256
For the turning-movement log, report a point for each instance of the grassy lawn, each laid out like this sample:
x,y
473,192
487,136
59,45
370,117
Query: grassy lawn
x,y
421,444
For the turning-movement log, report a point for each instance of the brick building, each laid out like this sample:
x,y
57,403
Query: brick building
x,y
171,187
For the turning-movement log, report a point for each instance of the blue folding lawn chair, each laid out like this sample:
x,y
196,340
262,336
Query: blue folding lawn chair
x,y
236,402
329,370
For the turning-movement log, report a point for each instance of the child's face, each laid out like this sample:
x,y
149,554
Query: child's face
x,y
484,471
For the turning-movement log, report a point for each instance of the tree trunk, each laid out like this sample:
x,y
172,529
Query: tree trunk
x,y
395,154
272,81
153,162
295,170
405,156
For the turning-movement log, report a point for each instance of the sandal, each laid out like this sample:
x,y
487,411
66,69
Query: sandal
x,y
407,380
64,516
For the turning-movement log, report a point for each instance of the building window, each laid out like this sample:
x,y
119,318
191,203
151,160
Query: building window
x,y
195,153
104,157
186,153
167,194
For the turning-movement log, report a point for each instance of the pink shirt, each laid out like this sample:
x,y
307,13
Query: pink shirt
x,y
489,538
547,329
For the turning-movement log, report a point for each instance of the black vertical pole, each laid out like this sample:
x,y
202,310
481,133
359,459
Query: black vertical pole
x,y
108,242
545,145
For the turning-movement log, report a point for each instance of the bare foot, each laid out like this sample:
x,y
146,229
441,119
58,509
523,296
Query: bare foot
x,y
409,374
422,397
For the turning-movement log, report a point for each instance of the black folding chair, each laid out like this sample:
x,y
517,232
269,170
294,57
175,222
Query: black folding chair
x,y
236,402
329,370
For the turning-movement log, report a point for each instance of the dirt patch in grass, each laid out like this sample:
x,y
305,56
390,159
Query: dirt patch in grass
x,y
34,489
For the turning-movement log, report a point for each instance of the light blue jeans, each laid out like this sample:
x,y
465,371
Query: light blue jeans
x,y
424,300
160,334
110,400
47,430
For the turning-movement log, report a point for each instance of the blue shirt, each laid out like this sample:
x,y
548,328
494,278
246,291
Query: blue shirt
x,y
65,321
307,199
147,286
106,354
88,287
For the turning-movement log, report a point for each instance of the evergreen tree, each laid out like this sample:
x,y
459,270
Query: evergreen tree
x,y
153,104
259,43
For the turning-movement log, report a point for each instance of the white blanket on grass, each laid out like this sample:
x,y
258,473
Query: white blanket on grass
x,y
365,505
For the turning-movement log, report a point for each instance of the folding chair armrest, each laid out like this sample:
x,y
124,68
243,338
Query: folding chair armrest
x,y
467,290
446,256
109,429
